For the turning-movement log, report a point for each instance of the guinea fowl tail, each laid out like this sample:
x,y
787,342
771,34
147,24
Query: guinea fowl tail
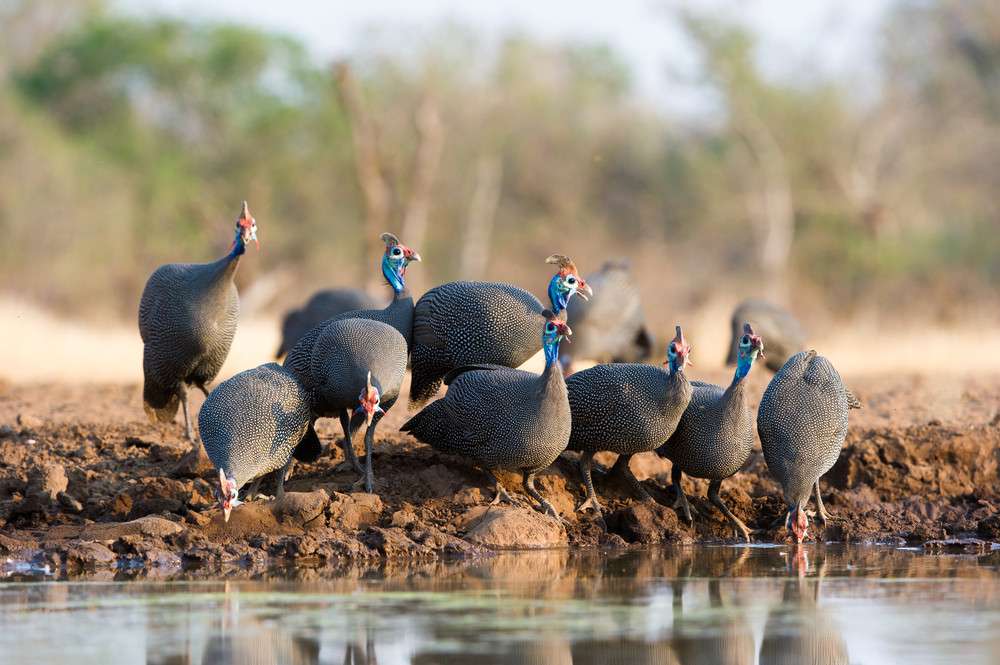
x,y
309,448
160,404
422,388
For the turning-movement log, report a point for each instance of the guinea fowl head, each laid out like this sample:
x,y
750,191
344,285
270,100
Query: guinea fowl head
x,y
246,229
677,352
368,401
566,283
553,332
799,522
748,348
397,256
228,494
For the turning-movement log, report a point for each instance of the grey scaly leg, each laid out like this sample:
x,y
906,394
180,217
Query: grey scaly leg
x,y
188,432
824,516
283,475
621,468
501,493
369,443
588,482
713,496
349,456
681,499
254,488
529,487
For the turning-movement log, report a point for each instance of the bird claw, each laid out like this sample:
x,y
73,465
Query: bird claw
x,y
547,509
591,504
503,497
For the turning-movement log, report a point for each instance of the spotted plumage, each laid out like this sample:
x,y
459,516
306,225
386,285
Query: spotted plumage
x,y
502,418
609,327
468,323
251,423
783,332
802,422
715,435
356,369
322,306
626,408
187,320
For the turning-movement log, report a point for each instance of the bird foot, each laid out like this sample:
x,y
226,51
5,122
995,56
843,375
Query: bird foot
x,y
591,504
348,465
547,509
503,497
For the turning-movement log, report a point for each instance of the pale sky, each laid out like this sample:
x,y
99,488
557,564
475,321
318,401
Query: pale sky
x,y
798,36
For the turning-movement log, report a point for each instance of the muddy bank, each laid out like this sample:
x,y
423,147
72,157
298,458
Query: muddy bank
x,y
86,483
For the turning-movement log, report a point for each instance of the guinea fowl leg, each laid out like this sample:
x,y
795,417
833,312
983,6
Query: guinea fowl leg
x,y
621,469
529,487
283,474
713,496
681,499
369,443
188,432
501,493
348,446
592,503
254,488
824,516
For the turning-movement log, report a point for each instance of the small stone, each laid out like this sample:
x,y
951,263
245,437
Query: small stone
x,y
645,522
46,481
88,555
29,423
144,526
6,432
354,511
68,502
301,508
405,516
502,527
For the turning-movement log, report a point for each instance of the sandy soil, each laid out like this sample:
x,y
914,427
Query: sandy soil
x,y
86,481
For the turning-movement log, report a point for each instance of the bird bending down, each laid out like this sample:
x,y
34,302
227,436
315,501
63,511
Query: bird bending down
x,y
187,320
249,425
527,434
398,314
471,323
626,408
714,438
802,422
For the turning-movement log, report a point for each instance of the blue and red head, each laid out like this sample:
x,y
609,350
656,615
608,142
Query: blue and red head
x,y
228,494
678,352
566,283
747,349
553,332
369,401
246,230
397,256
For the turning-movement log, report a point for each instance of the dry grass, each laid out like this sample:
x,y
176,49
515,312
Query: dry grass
x,y
38,346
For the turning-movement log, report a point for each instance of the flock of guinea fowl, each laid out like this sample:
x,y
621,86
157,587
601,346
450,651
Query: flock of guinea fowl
x,y
471,336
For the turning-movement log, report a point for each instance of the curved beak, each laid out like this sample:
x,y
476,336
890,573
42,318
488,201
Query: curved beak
x,y
413,256
585,291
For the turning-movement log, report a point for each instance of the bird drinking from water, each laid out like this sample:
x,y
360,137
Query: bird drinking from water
x,y
802,422
187,320
502,418
714,438
626,408
467,323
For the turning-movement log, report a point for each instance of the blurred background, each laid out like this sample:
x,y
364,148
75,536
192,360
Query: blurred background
x,y
840,158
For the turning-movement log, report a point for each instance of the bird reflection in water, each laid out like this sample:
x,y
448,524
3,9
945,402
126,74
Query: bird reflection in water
x,y
799,631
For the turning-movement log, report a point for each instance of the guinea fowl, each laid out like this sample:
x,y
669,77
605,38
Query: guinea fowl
x,y
626,409
802,423
609,327
468,323
250,424
782,331
187,319
715,435
398,314
503,418
356,369
322,306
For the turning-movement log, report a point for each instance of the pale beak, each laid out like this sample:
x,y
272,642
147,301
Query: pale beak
x,y
414,256
585,291
226,512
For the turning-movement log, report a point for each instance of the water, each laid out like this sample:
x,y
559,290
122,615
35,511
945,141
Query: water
x,y
694,605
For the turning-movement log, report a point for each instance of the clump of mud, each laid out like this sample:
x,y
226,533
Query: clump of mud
x,y
85,484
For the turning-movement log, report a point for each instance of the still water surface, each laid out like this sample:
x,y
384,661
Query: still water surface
x,y
696,605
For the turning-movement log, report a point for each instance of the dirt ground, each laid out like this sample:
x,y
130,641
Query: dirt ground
x,y
87,482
